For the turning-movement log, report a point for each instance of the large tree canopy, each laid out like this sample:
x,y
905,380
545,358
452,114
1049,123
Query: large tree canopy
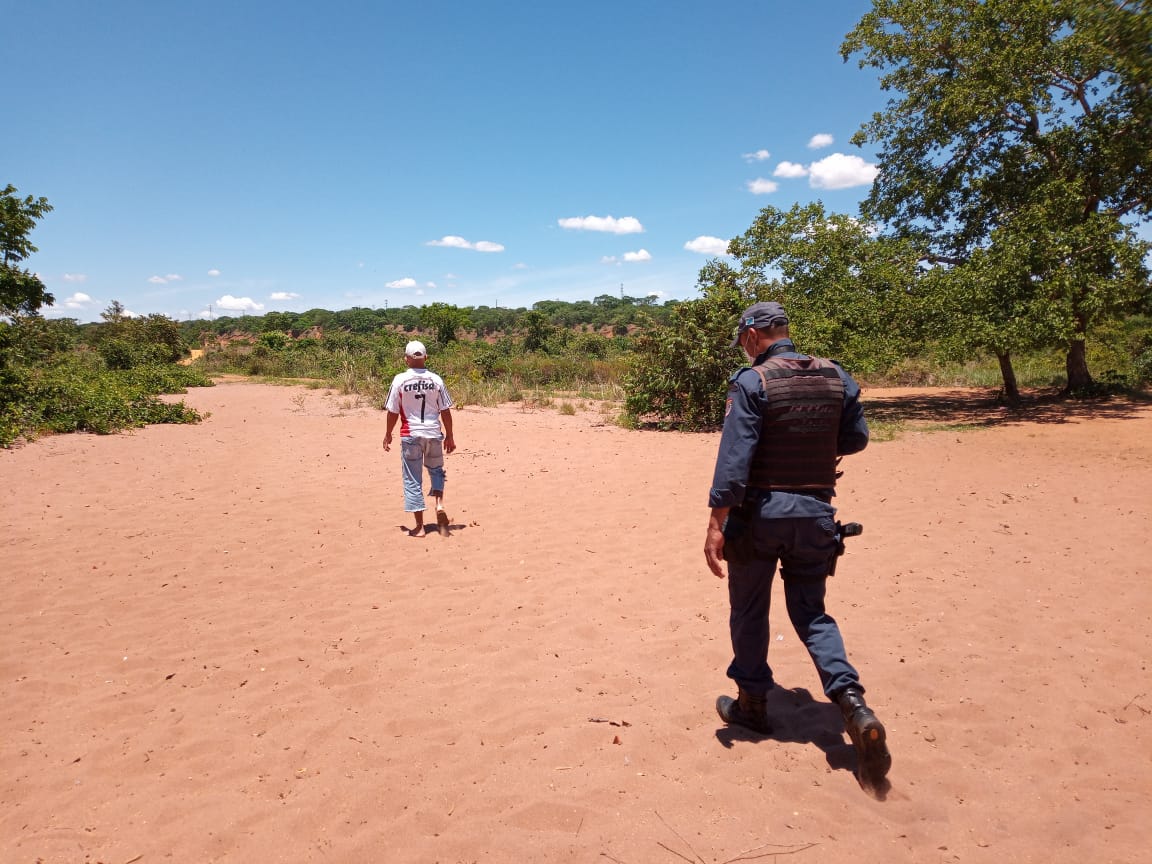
x,y
849,291
1014,114
21,292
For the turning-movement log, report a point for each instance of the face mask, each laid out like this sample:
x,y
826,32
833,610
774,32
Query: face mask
x,y
744,347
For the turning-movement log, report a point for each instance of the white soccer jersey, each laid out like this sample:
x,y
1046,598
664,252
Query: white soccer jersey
x,y
418,396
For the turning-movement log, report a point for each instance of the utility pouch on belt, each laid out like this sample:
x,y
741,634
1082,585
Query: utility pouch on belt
x,y
738,532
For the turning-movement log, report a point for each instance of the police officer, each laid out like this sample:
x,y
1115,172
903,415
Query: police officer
x,y
788,419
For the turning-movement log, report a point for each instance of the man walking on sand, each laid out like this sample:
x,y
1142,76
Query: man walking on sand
x,y
788,419
419,399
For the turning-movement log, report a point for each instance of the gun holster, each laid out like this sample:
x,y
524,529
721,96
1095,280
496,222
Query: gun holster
x,y
843,530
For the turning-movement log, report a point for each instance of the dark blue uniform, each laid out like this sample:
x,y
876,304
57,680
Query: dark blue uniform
x,y
770,527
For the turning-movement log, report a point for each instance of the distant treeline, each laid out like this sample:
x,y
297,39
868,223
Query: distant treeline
x,y
603,313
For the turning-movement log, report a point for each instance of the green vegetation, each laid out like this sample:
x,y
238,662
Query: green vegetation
x,y
1015,155
478,371
58,377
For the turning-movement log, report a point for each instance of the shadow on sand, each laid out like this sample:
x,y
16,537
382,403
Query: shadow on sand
x,y
797,718
985,408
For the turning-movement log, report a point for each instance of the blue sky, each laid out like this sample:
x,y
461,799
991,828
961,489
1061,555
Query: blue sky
x,y
242,157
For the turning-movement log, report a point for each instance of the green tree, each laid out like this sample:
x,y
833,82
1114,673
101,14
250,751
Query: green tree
x,y
126,342
279,322
842,283
444,320
21,291
678,370
1010,114
537,330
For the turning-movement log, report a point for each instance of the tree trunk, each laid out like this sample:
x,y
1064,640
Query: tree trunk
x,y
1079,378
1011,389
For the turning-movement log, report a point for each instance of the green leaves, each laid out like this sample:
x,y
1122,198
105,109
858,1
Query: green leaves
x,y
842,282
1017,144
678,370
444,320
21,292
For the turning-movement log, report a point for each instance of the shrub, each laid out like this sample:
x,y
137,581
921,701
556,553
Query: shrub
x,y
678,372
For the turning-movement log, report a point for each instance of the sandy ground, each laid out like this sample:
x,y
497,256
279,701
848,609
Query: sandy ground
x,y
218,644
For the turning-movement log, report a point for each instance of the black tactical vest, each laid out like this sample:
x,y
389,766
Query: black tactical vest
x,y
804,398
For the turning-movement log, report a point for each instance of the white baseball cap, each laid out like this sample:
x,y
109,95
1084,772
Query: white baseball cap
x,y
415,349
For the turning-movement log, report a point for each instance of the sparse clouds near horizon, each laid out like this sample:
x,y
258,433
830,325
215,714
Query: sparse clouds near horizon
x,y
640,255
406,282
823,139
77,301
164,280
760,186
238,304
75,277
283,295
451,241
608,224
213,272
757,156
706,245
840,171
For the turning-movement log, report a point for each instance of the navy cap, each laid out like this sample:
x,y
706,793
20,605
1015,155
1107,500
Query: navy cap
x,y
758,316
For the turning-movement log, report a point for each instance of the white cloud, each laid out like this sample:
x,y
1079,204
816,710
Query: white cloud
x,y
157,280
758,156
760,186
450,240
609,259
638,255
839,171
406,282
213,272
79,300
205,313
608,224
75,277
174,277
238,304
519,265
454,242
283,295
165,279
790,170
706,245
822,140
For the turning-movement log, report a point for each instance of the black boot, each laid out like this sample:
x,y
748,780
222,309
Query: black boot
x,y
746,710
868,737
